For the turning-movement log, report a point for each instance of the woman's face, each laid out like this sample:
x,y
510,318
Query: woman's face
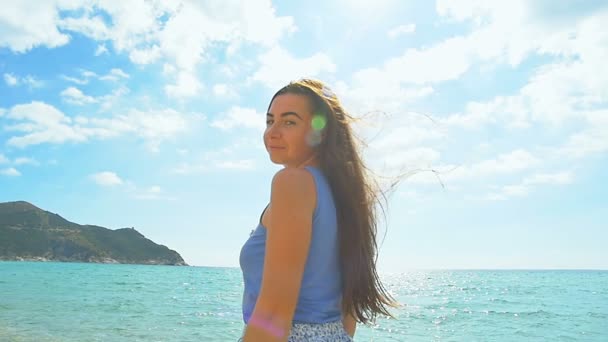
x,y
288,126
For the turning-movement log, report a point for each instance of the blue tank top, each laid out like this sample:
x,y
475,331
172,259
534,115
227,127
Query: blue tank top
x,y
320,295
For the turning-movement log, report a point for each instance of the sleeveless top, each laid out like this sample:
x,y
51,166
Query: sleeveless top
x,y
320,294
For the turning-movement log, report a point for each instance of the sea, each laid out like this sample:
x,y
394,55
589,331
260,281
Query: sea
x,y
50,301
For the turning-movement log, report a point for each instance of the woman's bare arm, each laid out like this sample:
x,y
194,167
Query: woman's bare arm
x,y
292,203
350,324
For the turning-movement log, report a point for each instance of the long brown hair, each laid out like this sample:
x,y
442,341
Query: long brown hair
x,y
356,197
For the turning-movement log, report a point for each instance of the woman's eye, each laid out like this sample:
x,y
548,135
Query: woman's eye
x,y
286,123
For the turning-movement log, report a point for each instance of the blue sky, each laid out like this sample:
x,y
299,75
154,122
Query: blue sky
x,y
150,115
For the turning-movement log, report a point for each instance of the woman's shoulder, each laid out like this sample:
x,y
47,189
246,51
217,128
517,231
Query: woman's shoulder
x,y
293,178
294,185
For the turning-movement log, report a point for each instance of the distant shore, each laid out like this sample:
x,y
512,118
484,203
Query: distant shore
x,y
90,261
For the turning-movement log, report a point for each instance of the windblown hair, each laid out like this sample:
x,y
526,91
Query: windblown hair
x,y
356,197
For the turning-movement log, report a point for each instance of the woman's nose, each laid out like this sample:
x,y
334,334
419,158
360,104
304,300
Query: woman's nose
x,y
273,132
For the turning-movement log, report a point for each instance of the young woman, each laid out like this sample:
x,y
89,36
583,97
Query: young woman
x,y
309,267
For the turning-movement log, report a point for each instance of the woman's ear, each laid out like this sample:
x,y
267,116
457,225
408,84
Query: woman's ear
x,y
314,138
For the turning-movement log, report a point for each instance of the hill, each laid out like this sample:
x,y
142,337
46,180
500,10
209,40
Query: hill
x,y
30,233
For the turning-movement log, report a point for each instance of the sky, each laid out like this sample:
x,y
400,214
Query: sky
x,y
492,115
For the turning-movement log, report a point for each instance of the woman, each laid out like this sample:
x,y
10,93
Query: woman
x,y
309,267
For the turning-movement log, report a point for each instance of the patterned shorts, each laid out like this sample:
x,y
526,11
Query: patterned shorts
x,y
321,332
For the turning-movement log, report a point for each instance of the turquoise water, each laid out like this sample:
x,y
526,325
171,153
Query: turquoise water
x,y
97,302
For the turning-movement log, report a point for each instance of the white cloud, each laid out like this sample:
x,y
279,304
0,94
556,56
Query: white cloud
x,y
24,161
240,117
564,91
260,24
503,33
169,69
157,125
365,10
559,178
220,89
412,158
571,90
132,23
87,73
189,168
401,30
42,123
405,132
109,100
423,66
211,164
119,73
75,80
592,140
101,49
187,85
512,111
278,67
114,75
527,185
11,171
227,22
495,197
3,159
136,29
572,87
515,190
364,94
75,96
588,142
557,91
93,27
27,24
153,126
513,161
186,47
236,164
106,178
32,82
11,80
152,193
509,163
145,56
223,90
408,135
147,40
154,189
226,158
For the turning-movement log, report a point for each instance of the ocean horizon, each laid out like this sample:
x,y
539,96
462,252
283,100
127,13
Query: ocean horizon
x,y
53,301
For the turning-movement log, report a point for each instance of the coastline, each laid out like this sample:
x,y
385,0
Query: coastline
x,y
90,261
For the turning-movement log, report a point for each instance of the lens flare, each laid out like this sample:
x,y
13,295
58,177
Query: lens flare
x,y
318,122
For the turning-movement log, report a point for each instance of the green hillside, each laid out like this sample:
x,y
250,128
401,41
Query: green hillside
x,y
30,233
